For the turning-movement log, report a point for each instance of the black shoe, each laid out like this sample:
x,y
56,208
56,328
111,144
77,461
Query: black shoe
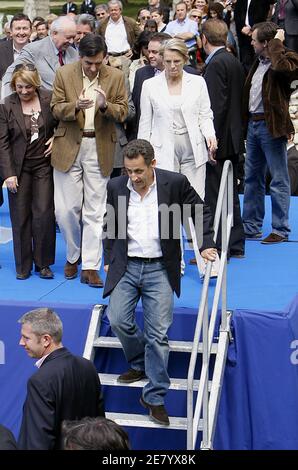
x,y
23,276
236,254
46,273
253,236
131,375
158,413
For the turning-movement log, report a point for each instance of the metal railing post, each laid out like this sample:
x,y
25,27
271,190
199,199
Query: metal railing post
x,y
224,209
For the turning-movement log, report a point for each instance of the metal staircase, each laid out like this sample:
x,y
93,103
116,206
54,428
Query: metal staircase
x,y
201,415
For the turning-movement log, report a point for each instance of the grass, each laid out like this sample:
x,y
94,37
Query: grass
x,y
129,10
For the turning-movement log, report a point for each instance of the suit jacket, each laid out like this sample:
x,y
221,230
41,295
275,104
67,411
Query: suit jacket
x,y
142,74
6,54
72,9
43,55
64,387
68,136
224,76
257,12
7,440
88,8
172,189
13,136
276,89
157,116
131,27
291,16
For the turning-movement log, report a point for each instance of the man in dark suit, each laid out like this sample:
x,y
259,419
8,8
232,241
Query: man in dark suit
x,y
88,7
69,7
143,260
224,76
7,440
20,26
286,17
144,73
247,13
64,387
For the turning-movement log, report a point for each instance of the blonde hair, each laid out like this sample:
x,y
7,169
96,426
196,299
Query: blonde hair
x,y
27,73
176,45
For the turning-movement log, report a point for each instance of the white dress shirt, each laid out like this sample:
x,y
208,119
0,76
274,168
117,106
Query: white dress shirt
x,y
116,36
143,229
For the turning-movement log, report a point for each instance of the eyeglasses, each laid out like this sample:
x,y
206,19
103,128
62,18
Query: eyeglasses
x,y
29,67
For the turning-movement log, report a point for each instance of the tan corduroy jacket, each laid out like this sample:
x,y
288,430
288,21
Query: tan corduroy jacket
x,y
67,88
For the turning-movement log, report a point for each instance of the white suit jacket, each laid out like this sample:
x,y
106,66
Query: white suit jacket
x,y
157,118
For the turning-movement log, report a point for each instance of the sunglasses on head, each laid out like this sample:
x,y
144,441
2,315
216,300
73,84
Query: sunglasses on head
x,y
29,67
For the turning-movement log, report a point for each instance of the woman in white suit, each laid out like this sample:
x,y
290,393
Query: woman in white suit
x,y
176,117
177,120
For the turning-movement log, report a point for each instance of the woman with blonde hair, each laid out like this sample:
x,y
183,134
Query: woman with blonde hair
x,y
26,129
176,117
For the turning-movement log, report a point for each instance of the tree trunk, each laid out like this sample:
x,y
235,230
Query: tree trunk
x,y
34,8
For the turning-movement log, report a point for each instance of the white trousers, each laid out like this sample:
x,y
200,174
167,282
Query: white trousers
x,y
183,163
80,204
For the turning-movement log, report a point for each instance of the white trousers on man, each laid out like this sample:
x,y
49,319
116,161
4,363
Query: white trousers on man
x,y
80,204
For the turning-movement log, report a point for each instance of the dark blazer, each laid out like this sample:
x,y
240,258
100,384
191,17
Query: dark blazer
x,y
13,138
172,188
224,76
257,12
1,192
142,74
276,89
72,9
64,387
291,16
6,54
88,9
7,440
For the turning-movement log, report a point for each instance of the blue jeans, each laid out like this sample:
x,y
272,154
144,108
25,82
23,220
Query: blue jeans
x,y
149,349
263,150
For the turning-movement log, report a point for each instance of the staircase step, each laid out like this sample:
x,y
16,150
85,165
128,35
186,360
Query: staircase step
x,y
176,384
177,346
144,421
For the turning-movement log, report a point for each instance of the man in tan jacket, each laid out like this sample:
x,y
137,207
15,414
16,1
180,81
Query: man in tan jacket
x,y
88,98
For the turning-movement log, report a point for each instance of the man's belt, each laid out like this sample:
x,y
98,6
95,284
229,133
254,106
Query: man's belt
x,y
257,116
89,134
144,260
118,54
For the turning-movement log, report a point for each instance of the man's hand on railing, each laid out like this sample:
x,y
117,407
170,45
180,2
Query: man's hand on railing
x,y
209,254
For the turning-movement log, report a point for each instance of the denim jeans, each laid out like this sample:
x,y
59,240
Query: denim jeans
x,y
263,150
148,349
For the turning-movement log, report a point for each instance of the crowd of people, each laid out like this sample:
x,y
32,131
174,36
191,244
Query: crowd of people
x,y
102,112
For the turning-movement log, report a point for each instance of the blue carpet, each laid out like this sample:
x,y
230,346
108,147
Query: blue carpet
x,y
266,279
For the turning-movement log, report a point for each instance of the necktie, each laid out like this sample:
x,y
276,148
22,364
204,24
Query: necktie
x,y
60,57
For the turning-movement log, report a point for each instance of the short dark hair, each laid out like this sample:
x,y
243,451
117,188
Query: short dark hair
x,y
138,147
91,45
265,30
215,31
160,37
94,434
20,17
